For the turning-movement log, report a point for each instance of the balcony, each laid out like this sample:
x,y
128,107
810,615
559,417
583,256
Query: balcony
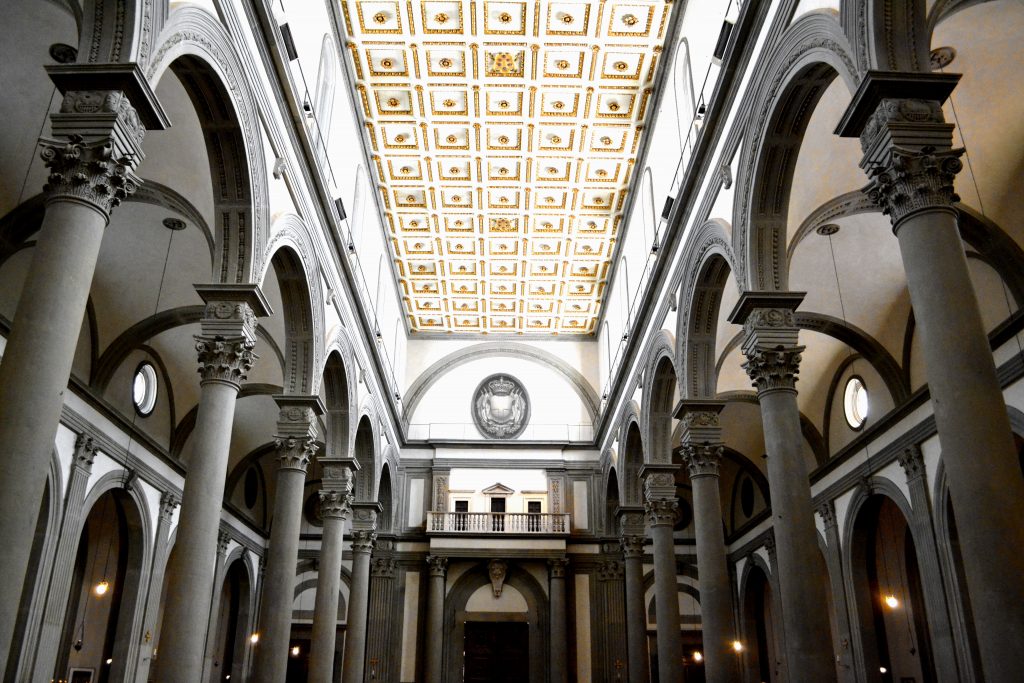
x,y
491,523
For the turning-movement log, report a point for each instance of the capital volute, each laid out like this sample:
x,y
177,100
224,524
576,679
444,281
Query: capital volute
x,y
438,565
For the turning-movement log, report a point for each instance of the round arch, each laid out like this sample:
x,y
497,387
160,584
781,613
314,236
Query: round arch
x,y
201,53
660,388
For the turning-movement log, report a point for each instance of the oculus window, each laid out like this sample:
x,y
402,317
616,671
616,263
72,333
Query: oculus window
x,y
144,389
855,402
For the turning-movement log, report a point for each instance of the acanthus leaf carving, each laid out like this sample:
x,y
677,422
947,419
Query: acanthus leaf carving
x,y
225,360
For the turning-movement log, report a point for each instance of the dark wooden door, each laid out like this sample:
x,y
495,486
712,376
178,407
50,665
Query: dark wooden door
x,y
497,652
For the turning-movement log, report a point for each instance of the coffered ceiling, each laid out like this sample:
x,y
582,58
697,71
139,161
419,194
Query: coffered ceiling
x,y
503,137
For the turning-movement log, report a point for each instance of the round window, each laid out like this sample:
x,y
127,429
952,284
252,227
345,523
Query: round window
x,y
855,402
144,389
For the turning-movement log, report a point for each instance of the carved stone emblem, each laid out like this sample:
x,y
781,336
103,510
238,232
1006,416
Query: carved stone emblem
x,y
501,407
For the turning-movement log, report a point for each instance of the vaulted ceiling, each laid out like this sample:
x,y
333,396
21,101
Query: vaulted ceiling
x,y
503,137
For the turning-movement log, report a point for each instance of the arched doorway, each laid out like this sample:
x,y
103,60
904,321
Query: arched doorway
x,y
760,659
231,621
97,637
895,643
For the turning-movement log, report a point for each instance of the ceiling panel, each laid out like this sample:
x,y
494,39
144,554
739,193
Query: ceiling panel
x,y
504,136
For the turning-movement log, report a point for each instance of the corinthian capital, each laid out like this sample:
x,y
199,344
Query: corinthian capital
x,y
295,454
225,360
438,565
88,171
702,460
362,541
335,504
85,452
909,181
774,369
661,512
632,546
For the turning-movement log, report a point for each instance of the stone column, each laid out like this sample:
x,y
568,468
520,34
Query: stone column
x,y
97,145
335,504
845,671
909,156
296,444
773,361
382,642
559,615
225,350
631,524
168,503
702,453
943,647
661,507
64,560
364,524
435,618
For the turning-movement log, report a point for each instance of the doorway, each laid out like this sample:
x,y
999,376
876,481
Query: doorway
x,y
496,652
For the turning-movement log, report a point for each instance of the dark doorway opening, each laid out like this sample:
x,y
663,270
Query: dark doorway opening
x,y
497,652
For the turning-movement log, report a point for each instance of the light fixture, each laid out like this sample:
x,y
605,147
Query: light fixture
x,y
737,646
254,638
882,670
295,651
109,661
697,656
891,601
102,587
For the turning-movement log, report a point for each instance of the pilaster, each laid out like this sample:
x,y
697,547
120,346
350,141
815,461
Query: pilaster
x,y
845,661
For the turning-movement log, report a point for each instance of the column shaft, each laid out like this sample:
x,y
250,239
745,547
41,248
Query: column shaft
x,y
190,573
802,584
279,585
325,610
559,614
355,633
91,171
636,614
977,447
33,378
666,600
435,619
909,156
720,660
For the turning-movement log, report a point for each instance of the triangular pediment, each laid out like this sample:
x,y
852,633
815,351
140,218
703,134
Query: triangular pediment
x,y
498,489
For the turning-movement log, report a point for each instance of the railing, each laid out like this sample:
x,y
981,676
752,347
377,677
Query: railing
x,y
497,523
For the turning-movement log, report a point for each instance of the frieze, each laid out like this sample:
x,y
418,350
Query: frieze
x,y
382,567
